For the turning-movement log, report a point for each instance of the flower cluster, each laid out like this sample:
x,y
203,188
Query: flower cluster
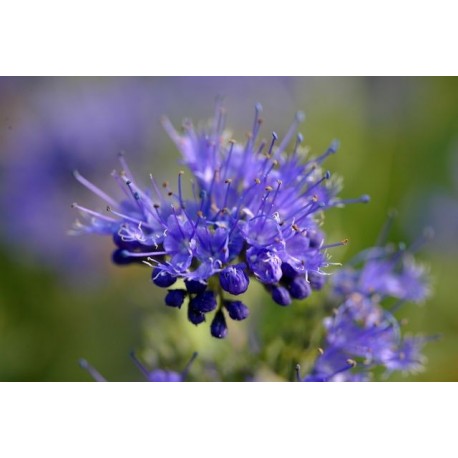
x,y
254,214
362,334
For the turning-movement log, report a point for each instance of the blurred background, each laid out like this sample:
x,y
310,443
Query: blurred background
x,y
61,299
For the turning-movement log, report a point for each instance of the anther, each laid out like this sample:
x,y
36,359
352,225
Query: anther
x,y
351,362
257,181
165,184
228,181
320,351
269,188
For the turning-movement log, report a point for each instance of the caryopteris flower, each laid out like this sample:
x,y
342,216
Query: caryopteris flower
x,y
362,334
386,271
254,214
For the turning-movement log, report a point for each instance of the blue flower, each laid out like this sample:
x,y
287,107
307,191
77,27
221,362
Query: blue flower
x,y
363,335
386,271
254,208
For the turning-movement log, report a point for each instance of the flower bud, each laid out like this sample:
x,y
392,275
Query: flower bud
x,y
204,302
281,296
234,280
194,316
218,327
299,288
237,310
195,287
316,280
175,297
162,278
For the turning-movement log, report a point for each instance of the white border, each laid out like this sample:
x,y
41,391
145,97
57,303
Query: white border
x,y
228,37
225,420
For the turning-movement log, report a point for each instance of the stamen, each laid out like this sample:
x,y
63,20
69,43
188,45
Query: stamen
x,y
180,193
86,183
188,365
293,128
228,159
279,183
120,183
383,236
261,147
274,139
156,188
126,217
92,371
124,165
93,213
140,366
364,199
326,176
333,147
299,140
333,245
257,122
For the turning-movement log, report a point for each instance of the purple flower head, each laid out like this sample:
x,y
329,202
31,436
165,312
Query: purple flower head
x,y
385,271
254,207
361,336
156,375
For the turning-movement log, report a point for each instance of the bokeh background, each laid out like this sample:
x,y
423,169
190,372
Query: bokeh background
x,y
60,297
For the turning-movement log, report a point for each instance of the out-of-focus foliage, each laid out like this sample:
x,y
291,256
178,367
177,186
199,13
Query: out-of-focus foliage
x,y
60,297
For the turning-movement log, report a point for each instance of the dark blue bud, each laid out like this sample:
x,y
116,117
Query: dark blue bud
x,y
120,243
281,296
121,257
288,272
204,302
218,327
175,297
299,288
234,280
194,316
316,280
195,287
162,278
237,310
